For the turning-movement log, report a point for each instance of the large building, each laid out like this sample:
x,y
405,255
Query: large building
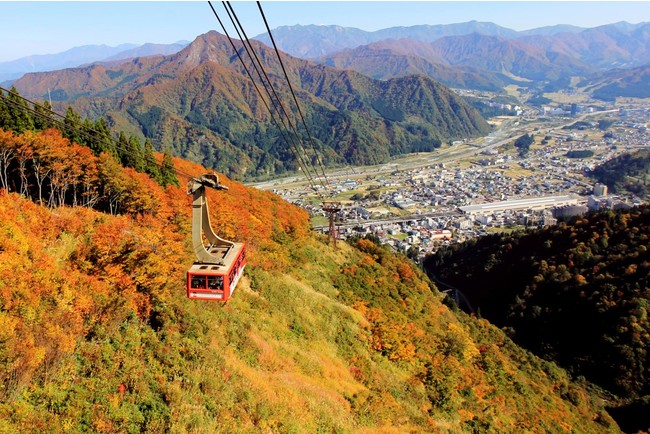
x,y
538,203
600,190
569,211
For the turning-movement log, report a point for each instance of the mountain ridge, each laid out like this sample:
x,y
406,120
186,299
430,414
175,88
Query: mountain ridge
x,y
340,38
497,60
353,118
398,58
335,38
287,37
552,54
79,56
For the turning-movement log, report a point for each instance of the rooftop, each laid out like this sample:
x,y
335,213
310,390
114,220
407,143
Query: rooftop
x,y
538,202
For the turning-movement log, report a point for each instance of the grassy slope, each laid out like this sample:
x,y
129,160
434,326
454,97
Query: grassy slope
x,y
96,334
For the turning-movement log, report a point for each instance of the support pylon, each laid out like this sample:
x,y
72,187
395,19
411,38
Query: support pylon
x,y
332,208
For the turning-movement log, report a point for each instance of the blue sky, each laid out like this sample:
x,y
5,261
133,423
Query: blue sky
x,y
29,27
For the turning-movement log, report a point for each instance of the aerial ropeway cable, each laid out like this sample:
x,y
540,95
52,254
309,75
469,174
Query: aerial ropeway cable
x,y
294,140
330,207
277,52
275,98
290,141
256,61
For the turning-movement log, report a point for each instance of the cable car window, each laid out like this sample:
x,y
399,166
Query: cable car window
x,y
198,282
215,282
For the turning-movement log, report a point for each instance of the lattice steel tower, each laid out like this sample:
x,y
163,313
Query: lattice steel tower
x,y
332,208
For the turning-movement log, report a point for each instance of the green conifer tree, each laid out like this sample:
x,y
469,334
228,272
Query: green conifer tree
x,y
5,117
151,166
135,156
41,121
71,122
20,117
168,171
87,138
122,148
103,141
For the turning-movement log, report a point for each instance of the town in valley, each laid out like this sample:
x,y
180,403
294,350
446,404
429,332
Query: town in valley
x,y
471,188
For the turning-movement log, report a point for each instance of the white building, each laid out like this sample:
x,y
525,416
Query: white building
x,y
538,203
600,190
484,219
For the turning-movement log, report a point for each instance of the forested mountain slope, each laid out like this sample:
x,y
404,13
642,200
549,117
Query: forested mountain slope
x,y
485,56
398,58
632,83
97,335
201,104
629,172
576,293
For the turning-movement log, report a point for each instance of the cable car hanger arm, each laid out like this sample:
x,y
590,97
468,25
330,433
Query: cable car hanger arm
x,y
201,221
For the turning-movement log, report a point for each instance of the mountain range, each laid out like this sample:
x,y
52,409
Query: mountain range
x,y
362,103
495,57
454,54
607,85
78,56
314,41
617,44
200,103
398,58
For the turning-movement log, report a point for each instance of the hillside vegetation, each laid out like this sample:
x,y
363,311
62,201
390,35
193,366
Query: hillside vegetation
x,y
399,58
609,85
201,104
579,295
629,172
96,333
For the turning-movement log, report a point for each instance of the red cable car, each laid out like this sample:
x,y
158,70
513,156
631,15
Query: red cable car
x,y
220,264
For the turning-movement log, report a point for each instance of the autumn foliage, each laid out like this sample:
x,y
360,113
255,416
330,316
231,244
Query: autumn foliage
x,y
97,335
579,296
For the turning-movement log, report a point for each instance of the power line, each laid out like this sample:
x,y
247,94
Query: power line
x,y
50,118
58,122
